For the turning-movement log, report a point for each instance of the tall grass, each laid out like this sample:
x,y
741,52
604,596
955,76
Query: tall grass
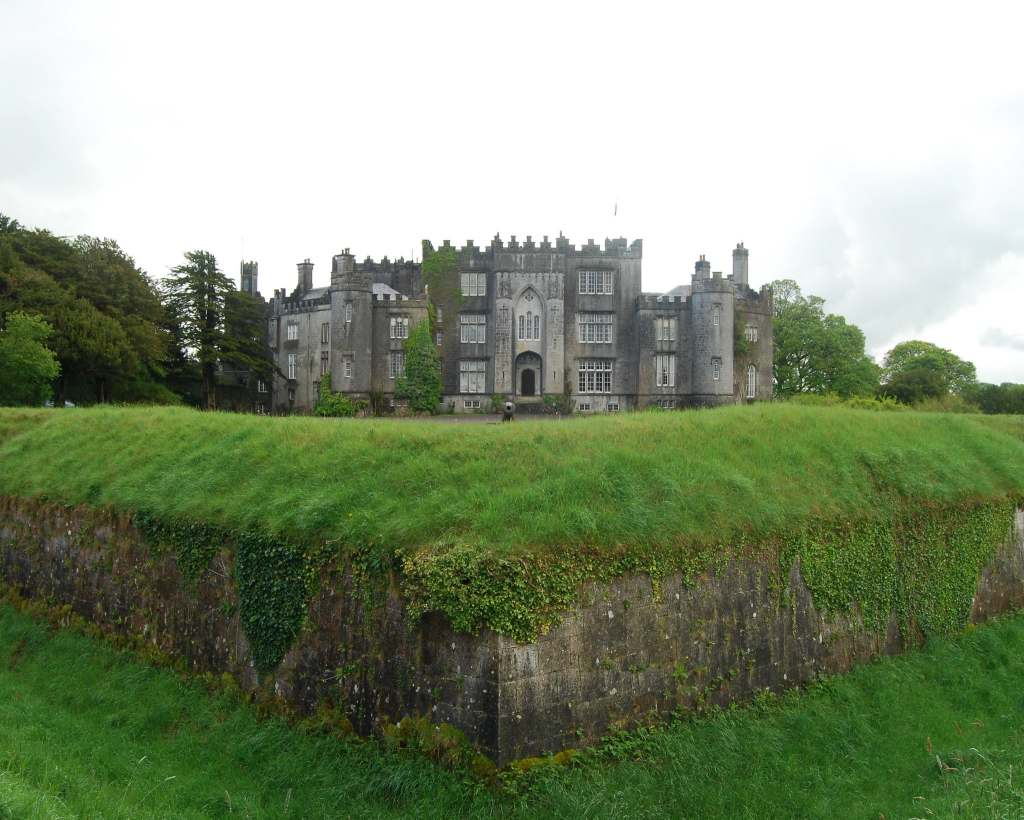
x,y
639,479
87,732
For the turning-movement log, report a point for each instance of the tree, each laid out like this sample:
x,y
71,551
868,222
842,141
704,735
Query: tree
x,y
214,324
196,293
27,366
817,352
420,385
949,373
997,398
106,314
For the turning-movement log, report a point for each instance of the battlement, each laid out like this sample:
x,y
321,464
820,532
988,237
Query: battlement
x,y
716,283
471,253
660,301
282,304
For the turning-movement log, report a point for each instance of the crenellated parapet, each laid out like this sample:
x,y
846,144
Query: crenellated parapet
x,y
716,283
472,255
660,301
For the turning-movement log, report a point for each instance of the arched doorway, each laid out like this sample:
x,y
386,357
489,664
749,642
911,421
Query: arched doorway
x,y
529,372
528,385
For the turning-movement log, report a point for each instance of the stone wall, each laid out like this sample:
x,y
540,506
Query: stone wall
x,y
622,655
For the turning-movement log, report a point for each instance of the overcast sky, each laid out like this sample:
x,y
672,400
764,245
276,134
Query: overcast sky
x,y
872,152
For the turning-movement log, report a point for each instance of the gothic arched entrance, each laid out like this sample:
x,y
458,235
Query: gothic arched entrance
x,y
528,385
528,374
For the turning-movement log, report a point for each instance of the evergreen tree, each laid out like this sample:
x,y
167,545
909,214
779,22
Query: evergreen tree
x,y
197,293
214,324
420,385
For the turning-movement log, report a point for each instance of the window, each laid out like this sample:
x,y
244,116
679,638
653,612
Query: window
x,y
751,382
595,328
750,334
529,326
474,284
666,404
261,409
438,338
348,312
584,407
595,376
471,404
291,394
472,376
324,362
665,329
396,364
438,315
595,281
613,407
293,331
716,369
665,370
399,327
293,365
473,328
325,333
348,368
261,386
716,315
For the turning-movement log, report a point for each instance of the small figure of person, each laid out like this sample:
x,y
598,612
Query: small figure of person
x,y
510,412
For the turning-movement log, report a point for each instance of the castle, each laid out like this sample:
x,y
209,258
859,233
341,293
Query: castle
x,y
524,320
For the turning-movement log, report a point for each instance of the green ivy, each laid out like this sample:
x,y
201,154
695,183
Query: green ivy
x,y
273,593
920,564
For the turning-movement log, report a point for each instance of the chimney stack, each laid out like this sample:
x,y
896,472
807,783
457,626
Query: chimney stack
x,y
740,258
702,270
305,276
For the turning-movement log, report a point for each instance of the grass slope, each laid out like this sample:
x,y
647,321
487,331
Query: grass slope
x,y
87,732
650,479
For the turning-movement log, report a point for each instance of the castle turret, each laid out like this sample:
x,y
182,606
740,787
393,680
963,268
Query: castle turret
x,y
305,276
351,326
250,272
740,258
712,303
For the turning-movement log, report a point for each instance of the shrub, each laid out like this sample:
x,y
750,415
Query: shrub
x,y
335,405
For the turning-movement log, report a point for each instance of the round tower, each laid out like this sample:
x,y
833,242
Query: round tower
x,y
351,326
712,305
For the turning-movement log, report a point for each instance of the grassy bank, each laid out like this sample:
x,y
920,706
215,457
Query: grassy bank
x,y
499,525
87,732
643,479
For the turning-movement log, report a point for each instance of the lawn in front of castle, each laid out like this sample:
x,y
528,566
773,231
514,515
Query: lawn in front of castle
x,y
648,480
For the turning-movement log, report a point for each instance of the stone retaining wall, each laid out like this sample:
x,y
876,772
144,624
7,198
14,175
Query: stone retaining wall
x,y
622,654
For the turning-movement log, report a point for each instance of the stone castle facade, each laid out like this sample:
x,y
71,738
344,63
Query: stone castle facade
x,y
524,320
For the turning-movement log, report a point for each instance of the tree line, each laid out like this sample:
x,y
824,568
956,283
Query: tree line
x,y
820,353
81,323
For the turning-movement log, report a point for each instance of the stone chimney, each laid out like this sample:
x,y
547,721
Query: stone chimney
x,y
740,258
305,276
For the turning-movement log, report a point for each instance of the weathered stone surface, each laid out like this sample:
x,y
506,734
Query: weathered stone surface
x,y
623,654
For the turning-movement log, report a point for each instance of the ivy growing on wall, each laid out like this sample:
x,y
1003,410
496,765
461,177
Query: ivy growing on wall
x,y
920,565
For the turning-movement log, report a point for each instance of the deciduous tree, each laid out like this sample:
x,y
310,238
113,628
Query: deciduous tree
x,y
27,366
817,352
